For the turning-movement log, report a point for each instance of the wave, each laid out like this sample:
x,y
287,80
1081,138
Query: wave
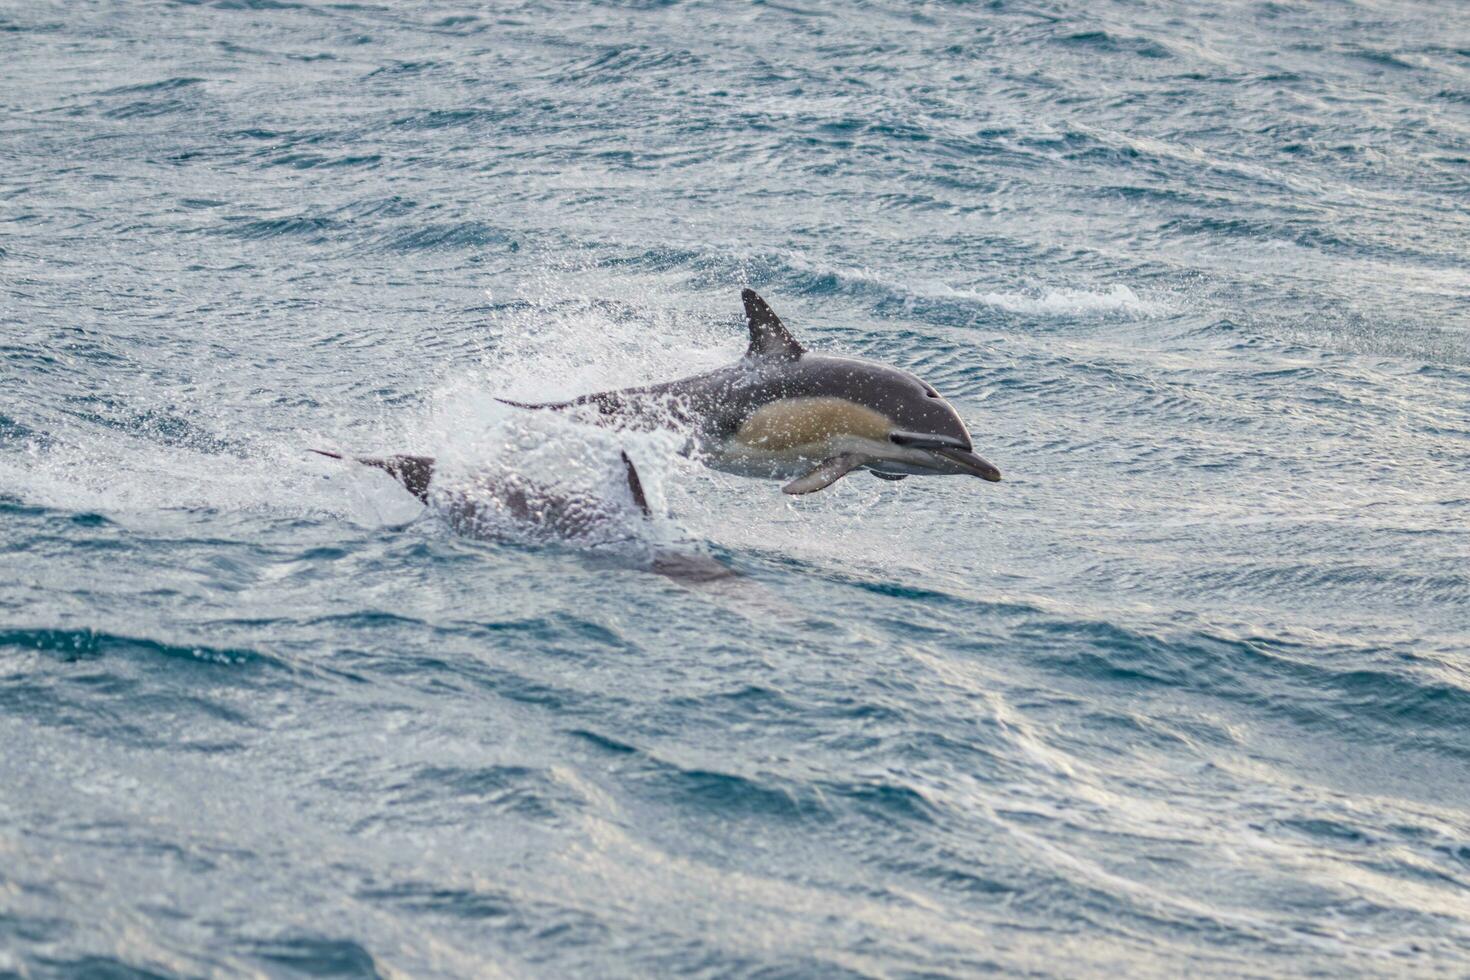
x,y
1050,301
74,644
1061,302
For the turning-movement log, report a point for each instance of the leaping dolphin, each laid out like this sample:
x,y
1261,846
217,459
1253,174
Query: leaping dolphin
x,y
785,413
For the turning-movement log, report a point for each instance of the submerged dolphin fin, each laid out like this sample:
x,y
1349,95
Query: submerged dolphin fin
x,y
635,487
768,335
414,472
827,472
890,476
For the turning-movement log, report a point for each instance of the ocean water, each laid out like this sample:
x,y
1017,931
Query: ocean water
x,y
1189,691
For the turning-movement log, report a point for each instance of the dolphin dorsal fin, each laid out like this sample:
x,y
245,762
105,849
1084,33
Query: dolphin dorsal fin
x,y
768,335
414,472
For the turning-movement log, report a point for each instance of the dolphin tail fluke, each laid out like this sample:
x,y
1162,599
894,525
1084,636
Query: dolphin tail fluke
x,y
551,405
608,403
413,472
826,473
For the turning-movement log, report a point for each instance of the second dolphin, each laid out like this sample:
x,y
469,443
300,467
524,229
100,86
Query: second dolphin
x,y
810,418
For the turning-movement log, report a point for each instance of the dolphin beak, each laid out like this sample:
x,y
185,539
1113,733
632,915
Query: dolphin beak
x,y
970,463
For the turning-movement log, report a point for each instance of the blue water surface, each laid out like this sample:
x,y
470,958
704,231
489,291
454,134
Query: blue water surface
x,y
1187,694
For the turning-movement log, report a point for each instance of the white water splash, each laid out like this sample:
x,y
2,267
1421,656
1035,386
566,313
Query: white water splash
x,y
1053,301
1061,302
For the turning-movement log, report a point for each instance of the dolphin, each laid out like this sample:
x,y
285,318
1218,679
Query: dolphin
x,y
471,508
477,509
782,412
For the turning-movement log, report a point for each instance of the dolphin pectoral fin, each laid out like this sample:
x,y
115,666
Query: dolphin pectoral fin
x,y
768,335
692,569
890,476
827,472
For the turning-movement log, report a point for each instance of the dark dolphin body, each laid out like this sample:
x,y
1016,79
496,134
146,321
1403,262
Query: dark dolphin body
x,y
566,516
478,509
783,412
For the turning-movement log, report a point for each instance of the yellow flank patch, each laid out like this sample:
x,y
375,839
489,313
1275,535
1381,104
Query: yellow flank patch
x,y
794,422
